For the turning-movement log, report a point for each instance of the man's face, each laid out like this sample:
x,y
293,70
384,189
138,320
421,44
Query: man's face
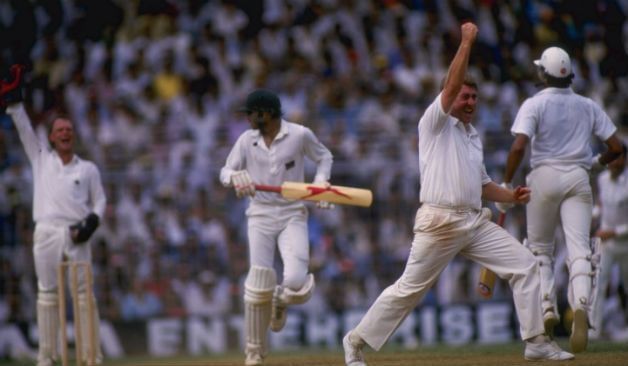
x,y
465,103
259,119
62,135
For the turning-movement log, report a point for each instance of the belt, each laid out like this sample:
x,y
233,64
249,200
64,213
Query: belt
x,y
456,209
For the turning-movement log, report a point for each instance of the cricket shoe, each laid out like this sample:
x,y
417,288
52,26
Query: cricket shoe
x,y
45,362
353,354
254,359
279,311
579,331
546,351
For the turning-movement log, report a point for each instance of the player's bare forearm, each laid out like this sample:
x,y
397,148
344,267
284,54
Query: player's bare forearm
x,y
517,151
615,148
496,193
458,67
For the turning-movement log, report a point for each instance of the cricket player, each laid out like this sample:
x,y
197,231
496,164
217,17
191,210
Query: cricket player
x,y
271,152
452,221
613,232
68,203
560,125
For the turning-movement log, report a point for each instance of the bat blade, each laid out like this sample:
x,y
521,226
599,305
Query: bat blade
x,y
486,284
318,192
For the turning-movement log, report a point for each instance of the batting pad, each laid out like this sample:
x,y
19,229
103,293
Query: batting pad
x,y
580,283
48,325
84,314
292,297
258,293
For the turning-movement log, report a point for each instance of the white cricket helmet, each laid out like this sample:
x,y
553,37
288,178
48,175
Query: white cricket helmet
x,y
556,62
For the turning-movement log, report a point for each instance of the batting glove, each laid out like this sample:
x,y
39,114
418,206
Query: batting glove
x,y
504,206
243,183
324,204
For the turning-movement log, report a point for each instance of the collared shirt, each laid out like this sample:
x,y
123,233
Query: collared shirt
x,y
560,124
282,161
450,160
614,201
63,194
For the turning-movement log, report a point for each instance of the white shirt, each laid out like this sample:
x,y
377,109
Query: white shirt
x,y
282,161
560,124
614,201
63,194
450,160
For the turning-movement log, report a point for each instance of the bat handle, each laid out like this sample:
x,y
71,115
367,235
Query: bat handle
x,y
265,188
501,218
484,290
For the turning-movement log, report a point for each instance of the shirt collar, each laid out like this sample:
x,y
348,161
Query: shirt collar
x,y
471,131
283,131
74,160
553,90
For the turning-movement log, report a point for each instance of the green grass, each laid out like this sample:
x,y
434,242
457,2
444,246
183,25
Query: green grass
x,y
598,354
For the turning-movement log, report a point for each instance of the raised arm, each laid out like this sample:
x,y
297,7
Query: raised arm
x,y
29,139
458,67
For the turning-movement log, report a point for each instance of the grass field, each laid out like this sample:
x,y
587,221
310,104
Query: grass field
x,y
598,354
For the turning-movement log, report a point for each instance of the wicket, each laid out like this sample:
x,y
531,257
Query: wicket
x,y
74,289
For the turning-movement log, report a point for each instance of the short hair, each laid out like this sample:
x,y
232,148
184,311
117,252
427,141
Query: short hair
x,y
51,122
468,81
557,82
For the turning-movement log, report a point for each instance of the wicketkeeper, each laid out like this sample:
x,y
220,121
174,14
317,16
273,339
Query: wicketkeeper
x,y
68,203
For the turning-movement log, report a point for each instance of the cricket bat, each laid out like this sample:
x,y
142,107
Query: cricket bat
x,y
318,192
487,277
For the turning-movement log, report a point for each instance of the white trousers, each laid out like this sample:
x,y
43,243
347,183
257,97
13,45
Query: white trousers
x,y
440,234
285,228
51,243
565,196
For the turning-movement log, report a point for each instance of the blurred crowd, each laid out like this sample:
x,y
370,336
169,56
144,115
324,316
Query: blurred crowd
x,y
153,87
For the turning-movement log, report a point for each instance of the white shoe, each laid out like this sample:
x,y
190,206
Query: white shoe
x,y
254,359
279,312
594,335
44,361
353,354
546,351
97,361
579,331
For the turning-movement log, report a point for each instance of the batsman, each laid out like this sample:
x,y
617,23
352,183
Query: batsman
x,y
559,125
68,201
271,152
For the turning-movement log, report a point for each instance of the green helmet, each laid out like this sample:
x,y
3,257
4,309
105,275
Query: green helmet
x,y
263,100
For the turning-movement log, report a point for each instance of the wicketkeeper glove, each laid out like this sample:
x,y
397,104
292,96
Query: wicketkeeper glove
x,y
83,230
243,183
504,206
11,91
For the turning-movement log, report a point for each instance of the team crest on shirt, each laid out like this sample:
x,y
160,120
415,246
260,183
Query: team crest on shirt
x,y
290,165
